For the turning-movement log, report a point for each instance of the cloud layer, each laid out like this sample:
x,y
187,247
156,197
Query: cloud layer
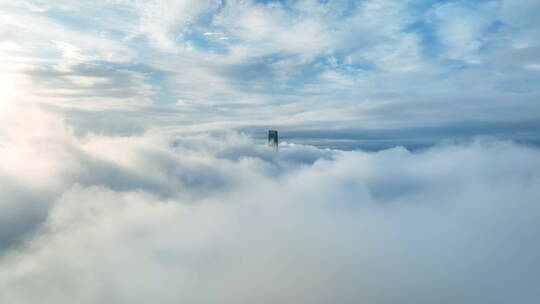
x,y
132,168
167,217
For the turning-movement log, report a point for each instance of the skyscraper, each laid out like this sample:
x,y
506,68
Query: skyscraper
x,y
273,139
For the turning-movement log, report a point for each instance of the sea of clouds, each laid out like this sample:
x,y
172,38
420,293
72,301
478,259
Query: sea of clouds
x,y
167,217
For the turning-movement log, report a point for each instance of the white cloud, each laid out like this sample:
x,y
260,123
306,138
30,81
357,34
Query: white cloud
x,y
164,21
222,219
462,29
70,51
272,28
40,34
533,66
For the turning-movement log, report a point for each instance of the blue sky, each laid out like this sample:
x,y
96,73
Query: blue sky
x,y
362,67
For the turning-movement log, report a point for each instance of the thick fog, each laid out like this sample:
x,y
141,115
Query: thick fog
x,y
166,217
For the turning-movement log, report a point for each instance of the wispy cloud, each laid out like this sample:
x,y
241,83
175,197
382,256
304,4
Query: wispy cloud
x,y
277,53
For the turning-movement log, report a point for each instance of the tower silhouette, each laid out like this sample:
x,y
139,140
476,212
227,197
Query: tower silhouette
x,y
273,139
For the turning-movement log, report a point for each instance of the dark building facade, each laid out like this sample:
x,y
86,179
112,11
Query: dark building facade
x,y
273,139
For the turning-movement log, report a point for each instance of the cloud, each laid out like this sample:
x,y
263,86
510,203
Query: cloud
x,y
90,85
463,29
127,182
141,173
164,22
303,63
171,217
41,34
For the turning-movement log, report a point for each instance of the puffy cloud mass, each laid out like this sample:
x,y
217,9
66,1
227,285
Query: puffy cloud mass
x,y
168,217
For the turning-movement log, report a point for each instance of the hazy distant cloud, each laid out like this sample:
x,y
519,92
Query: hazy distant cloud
x,y
104,85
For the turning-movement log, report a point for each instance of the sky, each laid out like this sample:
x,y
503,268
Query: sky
x,y
369,72
133,164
